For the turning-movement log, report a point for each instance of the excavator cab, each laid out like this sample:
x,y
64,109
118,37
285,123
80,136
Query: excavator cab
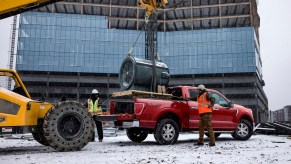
x,y
13,77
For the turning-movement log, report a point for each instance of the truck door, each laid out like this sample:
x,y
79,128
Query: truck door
x,y
193,110
223,116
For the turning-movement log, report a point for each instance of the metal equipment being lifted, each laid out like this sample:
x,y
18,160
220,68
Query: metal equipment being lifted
x,y
146,74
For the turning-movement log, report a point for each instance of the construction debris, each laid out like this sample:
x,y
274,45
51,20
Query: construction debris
x,y
273,128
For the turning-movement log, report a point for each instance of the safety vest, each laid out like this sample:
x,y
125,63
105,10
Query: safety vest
x,y
203,104
94,109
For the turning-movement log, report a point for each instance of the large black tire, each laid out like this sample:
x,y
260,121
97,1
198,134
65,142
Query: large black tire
x,y
216,135
166,132
38,133
137,134
68,126
244,130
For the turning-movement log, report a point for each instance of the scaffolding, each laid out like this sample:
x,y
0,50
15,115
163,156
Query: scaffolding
x,y
12,48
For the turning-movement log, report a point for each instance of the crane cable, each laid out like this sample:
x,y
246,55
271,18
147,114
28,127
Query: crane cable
x,y
174,6
130,50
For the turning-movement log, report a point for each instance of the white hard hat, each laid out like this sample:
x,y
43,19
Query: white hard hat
x,y
94,91
201,87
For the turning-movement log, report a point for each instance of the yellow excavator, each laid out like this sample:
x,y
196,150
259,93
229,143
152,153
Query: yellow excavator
x,y
66,126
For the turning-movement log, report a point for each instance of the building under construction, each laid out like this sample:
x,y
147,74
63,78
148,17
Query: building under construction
x,y
70,47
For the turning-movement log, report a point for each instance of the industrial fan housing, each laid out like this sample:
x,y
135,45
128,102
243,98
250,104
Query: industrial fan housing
x,y
136,73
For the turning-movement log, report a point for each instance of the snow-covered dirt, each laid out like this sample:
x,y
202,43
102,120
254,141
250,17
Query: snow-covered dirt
x,y
258,149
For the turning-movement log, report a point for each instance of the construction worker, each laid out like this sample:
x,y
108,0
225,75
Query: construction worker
x,y
94,107
205,103
63,98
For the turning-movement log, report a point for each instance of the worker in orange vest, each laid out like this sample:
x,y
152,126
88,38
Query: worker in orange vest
x,y
205,103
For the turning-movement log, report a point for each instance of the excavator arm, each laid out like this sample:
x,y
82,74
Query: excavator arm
x,y
13,7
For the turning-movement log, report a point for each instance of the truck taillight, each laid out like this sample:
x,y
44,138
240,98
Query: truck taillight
x,y
112,106
138,108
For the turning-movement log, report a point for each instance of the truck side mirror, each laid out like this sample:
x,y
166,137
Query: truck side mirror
x,y
230,104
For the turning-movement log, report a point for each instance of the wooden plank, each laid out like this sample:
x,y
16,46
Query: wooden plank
x,y
142,94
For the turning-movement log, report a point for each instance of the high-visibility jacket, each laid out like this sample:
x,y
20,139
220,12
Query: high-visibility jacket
x,y
203,104
94,109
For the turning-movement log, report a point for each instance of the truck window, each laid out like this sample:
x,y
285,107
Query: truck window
x,y
177,93
193,93
219,99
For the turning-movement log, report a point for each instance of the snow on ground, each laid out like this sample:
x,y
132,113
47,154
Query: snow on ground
x,y
258,149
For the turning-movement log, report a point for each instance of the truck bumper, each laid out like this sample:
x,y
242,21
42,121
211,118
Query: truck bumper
x,y
132,124
115,117
125,120
106,118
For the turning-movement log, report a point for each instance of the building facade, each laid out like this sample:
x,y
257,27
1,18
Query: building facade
x,y
282,115
71,47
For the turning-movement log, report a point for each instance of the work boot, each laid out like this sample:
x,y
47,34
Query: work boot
x,y
93,139
100,140
199,144
211,144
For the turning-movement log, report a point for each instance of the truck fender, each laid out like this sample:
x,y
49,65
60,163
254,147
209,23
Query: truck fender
x,y
168,113
244,116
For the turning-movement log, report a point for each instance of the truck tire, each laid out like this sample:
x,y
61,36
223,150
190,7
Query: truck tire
x,y
244,130
216,135
38,133
166,132
68,126
137,134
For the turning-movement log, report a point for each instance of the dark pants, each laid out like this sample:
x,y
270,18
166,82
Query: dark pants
x,y
205,121
99,128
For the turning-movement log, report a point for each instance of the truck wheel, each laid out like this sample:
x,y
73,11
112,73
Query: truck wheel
x,y
137,134
166,132
68,126
244,130
216,135
38,133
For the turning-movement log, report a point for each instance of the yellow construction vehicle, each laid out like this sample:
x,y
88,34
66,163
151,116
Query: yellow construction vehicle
x,y
151,5
13,7
66,126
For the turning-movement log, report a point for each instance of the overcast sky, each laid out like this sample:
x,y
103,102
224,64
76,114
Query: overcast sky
x,y
275,38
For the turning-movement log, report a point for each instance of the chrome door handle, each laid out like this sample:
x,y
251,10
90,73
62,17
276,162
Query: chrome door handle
x,y
215,109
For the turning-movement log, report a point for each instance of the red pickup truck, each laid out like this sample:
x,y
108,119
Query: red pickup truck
x,y
166,117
